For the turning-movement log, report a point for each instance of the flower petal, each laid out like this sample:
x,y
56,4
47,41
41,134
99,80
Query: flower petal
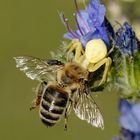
x,y
82,18
131,119
124,106
68,36
125,39
128,122
96,13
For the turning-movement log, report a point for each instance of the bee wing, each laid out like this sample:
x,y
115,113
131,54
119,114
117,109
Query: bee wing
x,y
86,109
35,68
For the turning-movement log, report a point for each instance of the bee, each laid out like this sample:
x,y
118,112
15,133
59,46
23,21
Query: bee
x,y
62,87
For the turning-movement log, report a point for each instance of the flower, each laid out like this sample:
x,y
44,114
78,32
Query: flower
x,y
127,135
129,120
126,63
90,22
125,39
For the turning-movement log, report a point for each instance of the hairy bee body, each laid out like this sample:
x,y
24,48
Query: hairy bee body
x,y
62,87
53,105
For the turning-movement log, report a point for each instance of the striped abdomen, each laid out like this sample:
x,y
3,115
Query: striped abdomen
x,y
53,105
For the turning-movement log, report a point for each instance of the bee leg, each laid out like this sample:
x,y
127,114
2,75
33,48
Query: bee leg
x,y
66,121
40,89
67,112
107,61
59,75
36,103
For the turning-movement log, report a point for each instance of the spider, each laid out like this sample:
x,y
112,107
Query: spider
x,y
93,57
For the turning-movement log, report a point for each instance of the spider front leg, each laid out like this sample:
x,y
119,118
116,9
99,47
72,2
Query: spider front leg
x,y
76,46
93,67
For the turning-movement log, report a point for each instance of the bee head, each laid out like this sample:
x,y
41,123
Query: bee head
x,y
75,72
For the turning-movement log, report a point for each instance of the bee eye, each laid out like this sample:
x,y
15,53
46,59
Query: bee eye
x,y
45,83
75,68
81,79
73,90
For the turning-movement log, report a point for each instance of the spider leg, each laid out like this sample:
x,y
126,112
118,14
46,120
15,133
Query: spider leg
x,y
107,67
79,52
76,46
107,61
111,50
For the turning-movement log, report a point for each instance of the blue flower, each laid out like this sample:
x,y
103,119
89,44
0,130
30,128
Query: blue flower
x,y
127,135
90,22
129,120
125,39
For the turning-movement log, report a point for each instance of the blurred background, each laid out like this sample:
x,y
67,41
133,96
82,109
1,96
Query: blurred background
x,y
33,28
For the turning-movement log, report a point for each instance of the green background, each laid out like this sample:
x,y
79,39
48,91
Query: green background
x,y
31,27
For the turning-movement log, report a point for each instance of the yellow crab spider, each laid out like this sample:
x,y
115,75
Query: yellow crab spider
x,y
94,56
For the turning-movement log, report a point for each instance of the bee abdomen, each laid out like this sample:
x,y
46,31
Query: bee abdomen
x,y
49,119
53,105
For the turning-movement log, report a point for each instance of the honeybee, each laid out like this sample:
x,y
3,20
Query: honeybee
x,y
62,87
